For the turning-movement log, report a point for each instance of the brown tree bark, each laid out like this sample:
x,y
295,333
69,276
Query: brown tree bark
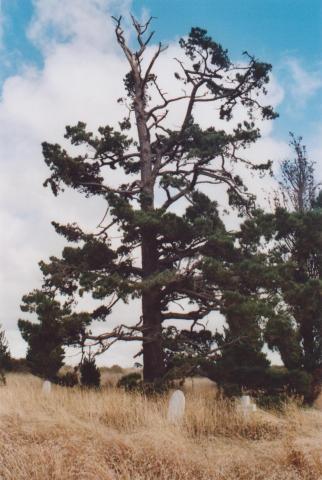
x,y
153,365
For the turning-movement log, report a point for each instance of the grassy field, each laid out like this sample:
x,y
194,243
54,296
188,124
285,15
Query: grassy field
x,y
111,435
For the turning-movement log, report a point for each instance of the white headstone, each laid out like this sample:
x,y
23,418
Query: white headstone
x,y
246,405
245,401
176,407
46,387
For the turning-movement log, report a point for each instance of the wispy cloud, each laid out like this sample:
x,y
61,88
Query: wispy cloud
x,y
86,22
304,84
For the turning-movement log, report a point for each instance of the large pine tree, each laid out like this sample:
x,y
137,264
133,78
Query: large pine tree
x,y
172,163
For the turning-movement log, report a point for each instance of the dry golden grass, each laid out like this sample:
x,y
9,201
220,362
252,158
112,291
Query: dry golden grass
x,y
318,402
111,435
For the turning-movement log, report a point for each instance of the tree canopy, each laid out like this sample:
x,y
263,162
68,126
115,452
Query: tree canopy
x,y
293,248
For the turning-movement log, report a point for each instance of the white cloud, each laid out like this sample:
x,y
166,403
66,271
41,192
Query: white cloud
x,y
314,150
80,80
85,22
304,84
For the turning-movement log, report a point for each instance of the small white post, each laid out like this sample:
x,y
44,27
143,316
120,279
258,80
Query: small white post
x,y
246,405
176,409
245,401
46,387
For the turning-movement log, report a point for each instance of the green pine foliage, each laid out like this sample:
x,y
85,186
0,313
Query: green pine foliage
x,y
46,337
291,239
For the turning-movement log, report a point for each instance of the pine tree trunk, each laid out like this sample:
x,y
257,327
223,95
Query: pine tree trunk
x,y
153,364
307,330
151,312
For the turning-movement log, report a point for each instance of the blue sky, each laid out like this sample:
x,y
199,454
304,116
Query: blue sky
x,y
17,49
60,64
276,31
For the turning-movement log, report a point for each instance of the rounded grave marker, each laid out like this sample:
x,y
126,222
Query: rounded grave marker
x,y
46,387
176,408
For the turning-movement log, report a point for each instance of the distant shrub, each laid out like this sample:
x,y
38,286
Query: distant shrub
x,y
270,386
133,381
90,374
274,401
231,389
300,382
68,379
130,382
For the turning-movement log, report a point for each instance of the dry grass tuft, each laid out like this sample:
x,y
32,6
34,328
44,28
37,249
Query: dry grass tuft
x,y
112,435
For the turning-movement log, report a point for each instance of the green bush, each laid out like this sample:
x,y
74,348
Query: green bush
x,y
133,382
273,401
90,374
130,382
68,379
